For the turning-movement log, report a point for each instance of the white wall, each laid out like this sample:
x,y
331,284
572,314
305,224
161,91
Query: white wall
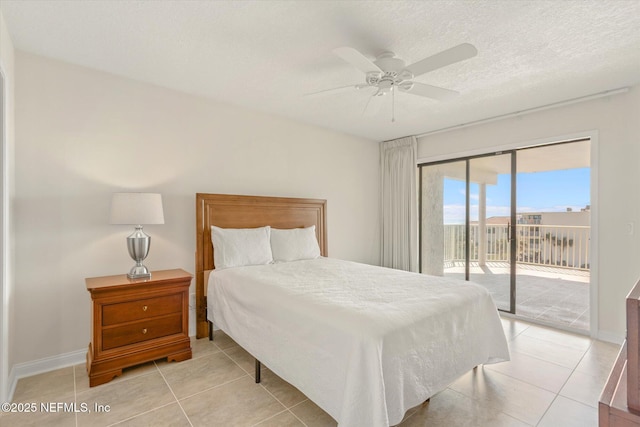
x,y
617,122
83,134
6,194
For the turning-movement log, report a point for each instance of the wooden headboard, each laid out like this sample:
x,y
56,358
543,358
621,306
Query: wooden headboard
x,y
231,211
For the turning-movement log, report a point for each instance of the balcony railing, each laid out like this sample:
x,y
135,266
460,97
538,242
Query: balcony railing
x,y
550,245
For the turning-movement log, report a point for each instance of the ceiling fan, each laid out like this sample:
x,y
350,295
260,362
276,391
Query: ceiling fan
x,y
387,74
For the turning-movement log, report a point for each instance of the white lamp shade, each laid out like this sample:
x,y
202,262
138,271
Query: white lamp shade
x,y
136,208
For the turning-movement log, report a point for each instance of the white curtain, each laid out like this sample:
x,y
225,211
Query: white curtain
x,y
399,246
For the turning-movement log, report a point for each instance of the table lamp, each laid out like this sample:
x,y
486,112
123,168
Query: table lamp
x,y
137,209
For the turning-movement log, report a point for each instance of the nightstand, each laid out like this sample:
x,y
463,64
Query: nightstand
x,y
136,321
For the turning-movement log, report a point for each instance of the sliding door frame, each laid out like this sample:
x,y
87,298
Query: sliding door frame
x,y
467,222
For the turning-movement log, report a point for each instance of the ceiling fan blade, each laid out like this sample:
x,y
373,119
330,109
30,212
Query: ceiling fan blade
x,y
428,91
446,57
374,105
357,59
335,90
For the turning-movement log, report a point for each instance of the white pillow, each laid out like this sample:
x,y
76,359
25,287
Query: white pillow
x,y
294,244
235,247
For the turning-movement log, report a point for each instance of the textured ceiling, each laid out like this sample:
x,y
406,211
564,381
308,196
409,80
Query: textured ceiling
x,y
266,54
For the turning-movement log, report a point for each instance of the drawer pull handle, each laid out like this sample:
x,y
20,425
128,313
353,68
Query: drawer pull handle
x,y
144,331
144,308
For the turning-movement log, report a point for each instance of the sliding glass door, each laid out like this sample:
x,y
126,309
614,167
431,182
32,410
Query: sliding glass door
x,y
492,216
472,229
554,234
467,222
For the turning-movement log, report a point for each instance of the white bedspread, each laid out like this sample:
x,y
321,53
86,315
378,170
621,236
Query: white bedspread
x,y
364,343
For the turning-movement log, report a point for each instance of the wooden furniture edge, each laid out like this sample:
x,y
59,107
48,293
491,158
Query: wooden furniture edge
x,y
606,397
101,283
633,348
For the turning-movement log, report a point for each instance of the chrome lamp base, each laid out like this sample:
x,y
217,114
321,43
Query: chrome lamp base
x,y
138,244
139,272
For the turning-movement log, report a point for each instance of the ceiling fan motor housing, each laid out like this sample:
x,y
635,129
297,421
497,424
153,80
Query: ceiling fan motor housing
x,y
388,62
393,72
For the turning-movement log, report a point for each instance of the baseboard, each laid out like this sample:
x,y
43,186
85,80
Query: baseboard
x,y
47,364
612,337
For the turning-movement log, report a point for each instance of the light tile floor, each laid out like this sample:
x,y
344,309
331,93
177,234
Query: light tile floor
x,y
553,379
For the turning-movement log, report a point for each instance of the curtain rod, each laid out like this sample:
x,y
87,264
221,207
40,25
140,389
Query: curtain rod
x,y
530,110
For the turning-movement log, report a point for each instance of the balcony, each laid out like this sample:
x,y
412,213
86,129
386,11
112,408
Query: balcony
x,y
552,269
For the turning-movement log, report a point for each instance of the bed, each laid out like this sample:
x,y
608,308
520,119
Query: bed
x,y
364,343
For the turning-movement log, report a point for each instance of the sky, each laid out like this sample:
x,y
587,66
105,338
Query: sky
x,y
552,191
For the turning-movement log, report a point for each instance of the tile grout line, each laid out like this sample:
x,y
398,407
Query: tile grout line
x,y
515,379
565,383
224,351
294,415
272,395
516,335
537,386
573,371
577,401
283,405
173,394
580,372
119,379
237,364
265,389
557,321
586,337
268,418
479,401
208,353
148,411
547,410
138,415
211,388
545,360
260,383
518,380
250,376
578,318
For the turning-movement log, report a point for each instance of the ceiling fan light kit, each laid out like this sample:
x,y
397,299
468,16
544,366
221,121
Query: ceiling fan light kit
x,y
388,73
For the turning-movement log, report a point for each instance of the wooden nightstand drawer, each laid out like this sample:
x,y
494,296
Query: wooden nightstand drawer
x,y
114,314
144,330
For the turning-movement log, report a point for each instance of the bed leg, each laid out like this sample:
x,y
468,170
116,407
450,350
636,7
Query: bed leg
x,y
257,371
210,331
